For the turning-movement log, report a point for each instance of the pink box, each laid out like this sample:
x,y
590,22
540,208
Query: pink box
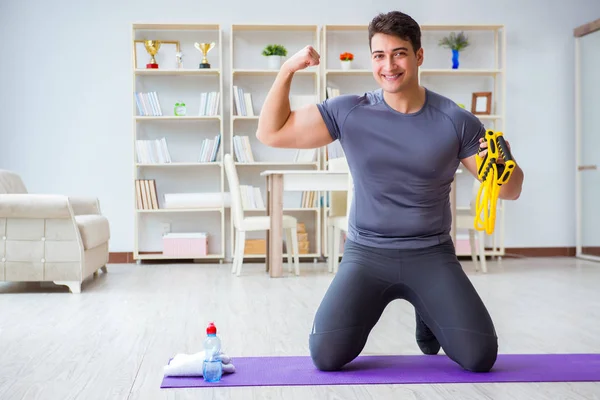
x,y
464,247
185,244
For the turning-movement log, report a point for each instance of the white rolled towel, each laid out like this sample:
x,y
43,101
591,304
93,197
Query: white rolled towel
x,y
191,365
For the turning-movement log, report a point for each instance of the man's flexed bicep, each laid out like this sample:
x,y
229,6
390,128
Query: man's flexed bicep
x,y
304,128
278,125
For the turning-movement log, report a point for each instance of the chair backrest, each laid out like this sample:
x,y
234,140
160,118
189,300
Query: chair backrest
x,y
11,183
338,205
237,209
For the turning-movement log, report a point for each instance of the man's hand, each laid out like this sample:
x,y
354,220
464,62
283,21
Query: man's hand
x,y
510,190
483,150
278,125
307,57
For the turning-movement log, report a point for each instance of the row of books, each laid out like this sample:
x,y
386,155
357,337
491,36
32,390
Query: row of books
x,y
209,104
148,104
332,92
152,151
309,199
156,151
209,150
251,198
146,197
306,156
242,149
243,102
334,150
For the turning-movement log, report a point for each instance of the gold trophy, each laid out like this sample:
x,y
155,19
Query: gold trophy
x,y
204,48
152,47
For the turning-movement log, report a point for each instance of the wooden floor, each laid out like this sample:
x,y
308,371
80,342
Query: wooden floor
x,y
112,340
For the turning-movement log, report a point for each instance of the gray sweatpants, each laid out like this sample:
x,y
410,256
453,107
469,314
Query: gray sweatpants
x,y
431,279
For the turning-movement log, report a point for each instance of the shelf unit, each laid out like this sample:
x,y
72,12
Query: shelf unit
x,y
182,172
482,69
251,74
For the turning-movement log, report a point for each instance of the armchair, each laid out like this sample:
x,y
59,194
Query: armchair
x,y
46,237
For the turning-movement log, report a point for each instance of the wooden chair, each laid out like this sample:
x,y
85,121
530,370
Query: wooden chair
x,y
243,224
338,216
464,220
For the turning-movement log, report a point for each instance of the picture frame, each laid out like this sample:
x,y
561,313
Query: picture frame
x,y
166,56
481,103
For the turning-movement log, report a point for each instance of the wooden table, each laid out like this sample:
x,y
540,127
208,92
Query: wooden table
x,y
309,180
292,180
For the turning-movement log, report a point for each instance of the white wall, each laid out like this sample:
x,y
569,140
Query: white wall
x,y
65,93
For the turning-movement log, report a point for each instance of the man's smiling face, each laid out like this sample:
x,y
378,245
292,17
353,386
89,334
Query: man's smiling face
x,y
394,62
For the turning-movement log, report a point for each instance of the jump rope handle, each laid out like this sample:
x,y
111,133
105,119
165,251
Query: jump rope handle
x,y
484,163
504,150
509,163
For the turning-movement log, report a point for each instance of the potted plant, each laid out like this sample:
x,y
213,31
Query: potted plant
x,y
346,60
274,54
457,43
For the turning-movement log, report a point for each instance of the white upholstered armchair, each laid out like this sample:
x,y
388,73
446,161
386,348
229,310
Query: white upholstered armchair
x,y
45,237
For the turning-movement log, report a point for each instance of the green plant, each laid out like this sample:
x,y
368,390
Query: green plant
x,y
274,50
455,42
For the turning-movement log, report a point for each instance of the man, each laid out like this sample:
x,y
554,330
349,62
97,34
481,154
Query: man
x,y
403,144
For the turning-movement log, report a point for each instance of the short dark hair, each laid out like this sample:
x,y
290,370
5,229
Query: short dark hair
x,y
397,24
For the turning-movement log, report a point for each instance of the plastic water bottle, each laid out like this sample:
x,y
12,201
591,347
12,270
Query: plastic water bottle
x,y
213,368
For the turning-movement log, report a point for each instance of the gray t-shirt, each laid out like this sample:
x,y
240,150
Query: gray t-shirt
x,y
402,165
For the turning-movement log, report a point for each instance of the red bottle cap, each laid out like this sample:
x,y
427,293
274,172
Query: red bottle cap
x,y
212,329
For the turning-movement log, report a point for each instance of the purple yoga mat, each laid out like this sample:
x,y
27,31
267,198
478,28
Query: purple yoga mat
x,y
294,371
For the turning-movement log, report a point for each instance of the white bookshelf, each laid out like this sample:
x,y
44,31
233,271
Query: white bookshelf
x,y
250,73
482,69
184,170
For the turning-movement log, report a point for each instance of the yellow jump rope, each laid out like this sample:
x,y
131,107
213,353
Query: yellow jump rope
x,y
492,177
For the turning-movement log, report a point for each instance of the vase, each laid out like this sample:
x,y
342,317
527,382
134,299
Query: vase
x,y
274,62
455,59
346,65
